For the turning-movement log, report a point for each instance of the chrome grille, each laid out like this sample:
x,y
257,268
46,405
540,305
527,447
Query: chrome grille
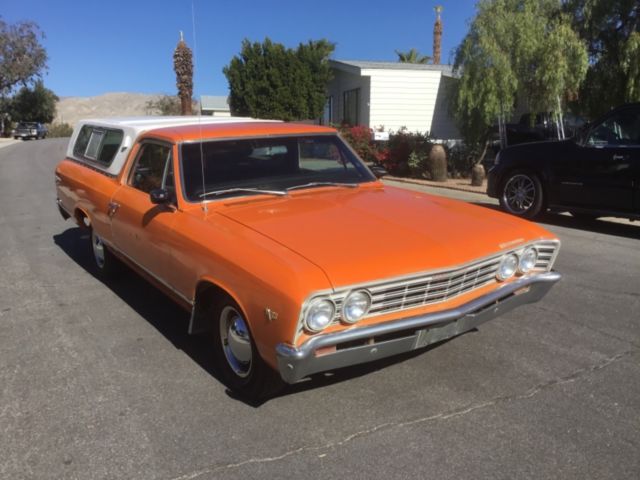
x,y
547,252
426,289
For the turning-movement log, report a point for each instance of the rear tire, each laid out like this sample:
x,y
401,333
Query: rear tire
x,y
106,264
521,194
237,359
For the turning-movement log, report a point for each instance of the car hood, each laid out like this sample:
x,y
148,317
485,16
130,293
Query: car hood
x,y
370,233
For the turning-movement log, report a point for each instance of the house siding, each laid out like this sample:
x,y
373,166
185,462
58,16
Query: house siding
x,y
342,82
396,98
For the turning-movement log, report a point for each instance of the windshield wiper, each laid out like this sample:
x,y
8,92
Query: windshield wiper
x,y
258,191
323,184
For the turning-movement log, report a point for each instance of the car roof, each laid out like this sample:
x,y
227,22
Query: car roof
x,y
195,132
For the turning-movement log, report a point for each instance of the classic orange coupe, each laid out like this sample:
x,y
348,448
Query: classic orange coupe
x,y
286,248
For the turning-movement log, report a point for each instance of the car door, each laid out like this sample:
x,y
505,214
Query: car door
x,y
606,167
141,229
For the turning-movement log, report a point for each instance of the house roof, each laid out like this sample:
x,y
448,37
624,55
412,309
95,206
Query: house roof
x,y
356,66
212,102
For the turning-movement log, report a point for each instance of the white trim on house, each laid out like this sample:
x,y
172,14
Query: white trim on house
x,y
215,105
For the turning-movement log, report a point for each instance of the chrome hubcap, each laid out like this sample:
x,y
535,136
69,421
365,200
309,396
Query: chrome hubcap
x,y
519,194
236,341
98,249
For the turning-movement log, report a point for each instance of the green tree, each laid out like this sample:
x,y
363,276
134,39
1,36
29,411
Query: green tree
x,y
268,80
37,104
515,49
412,56
183,66
611,29
22,57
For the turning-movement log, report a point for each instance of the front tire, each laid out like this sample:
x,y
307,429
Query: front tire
x,y
522,195
237,359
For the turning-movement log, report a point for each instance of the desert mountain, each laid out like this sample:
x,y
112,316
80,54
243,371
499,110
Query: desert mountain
x,y
71,109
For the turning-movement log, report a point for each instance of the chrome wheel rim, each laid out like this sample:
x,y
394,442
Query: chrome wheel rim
x,y
236,341
98,249
519,194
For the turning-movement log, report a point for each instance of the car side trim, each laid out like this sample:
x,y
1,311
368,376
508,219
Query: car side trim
x,y
147,272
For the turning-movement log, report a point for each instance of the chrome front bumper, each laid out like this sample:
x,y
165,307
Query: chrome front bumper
x,y
365,344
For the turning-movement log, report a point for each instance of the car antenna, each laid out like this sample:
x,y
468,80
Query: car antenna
x,y
195,63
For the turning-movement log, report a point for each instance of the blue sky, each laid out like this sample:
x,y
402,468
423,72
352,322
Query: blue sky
x,y
127,46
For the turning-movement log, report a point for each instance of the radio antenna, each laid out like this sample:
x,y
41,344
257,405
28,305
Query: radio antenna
x,y
195,63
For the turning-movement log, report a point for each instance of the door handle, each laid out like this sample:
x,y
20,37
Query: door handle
x,y
113,208
620,157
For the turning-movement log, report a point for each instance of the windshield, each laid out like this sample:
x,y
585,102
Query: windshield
x,y
27,125
258,165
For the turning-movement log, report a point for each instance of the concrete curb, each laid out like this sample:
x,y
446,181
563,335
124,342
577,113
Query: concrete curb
x,y
5,142
451,184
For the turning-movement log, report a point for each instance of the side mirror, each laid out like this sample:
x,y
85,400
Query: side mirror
x,y
160,196
378,171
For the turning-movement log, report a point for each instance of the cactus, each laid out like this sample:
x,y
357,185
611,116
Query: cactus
x,y
437,163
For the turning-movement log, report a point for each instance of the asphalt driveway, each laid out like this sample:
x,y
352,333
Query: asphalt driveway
x,y
101,380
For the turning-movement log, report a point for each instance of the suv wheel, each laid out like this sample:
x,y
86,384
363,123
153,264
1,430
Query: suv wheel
x,y
521,194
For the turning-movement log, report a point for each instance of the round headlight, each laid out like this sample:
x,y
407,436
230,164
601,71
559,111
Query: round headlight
x,y
356,306
528,260
508,266
319,315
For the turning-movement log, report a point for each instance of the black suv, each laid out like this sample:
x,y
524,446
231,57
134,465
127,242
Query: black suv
x,y
27,130
594,174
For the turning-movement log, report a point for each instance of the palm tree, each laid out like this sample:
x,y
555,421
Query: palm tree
x,y
412,56
183,66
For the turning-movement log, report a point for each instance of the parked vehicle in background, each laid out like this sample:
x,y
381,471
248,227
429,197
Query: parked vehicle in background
x,y
27,130
538,128
286,249
596,173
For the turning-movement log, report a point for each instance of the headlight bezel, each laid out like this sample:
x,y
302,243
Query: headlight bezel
x,y
343,308
509,256
314,304
522,258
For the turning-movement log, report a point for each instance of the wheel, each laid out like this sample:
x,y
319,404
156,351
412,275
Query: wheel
x,y
522,195
106,264
237,359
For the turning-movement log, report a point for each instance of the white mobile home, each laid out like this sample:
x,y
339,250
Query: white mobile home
x,y
392,95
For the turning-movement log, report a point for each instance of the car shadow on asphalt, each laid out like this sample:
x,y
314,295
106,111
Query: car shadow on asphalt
x,y
172,321
627,230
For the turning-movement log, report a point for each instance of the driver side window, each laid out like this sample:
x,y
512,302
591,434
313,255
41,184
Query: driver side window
x,y
620,129
153,168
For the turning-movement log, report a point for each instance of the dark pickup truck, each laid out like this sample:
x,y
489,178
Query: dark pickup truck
x,y
27,130
542,127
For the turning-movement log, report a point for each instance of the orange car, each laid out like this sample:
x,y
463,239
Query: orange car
x,y
286,248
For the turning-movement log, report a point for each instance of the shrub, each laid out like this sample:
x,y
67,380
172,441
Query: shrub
x,y
401,145
57,130
359,137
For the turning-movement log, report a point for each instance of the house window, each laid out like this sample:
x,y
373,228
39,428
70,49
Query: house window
x,y
327,114
351,103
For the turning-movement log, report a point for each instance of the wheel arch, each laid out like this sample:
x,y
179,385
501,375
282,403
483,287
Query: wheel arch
x,y
207,293
82,218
